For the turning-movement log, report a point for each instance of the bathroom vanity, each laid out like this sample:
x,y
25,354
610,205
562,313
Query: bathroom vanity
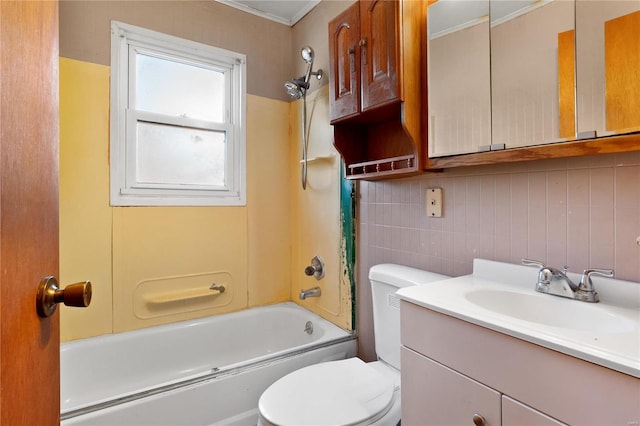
x,y
486,349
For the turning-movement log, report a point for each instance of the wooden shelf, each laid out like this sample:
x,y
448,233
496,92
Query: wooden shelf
x,y
605,145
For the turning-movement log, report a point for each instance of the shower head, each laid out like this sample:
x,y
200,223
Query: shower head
x,y
307,54
296,88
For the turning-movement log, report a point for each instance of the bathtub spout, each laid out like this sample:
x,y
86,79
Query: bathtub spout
x,y
312,292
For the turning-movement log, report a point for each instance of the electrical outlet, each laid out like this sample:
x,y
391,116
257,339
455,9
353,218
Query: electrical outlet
x,y
434,202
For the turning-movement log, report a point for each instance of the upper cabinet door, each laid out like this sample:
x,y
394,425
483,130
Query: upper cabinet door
x,y
379,52
608,72
344,37
532,72
459,112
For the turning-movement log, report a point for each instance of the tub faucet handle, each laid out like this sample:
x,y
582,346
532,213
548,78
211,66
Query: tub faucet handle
x,y
316,268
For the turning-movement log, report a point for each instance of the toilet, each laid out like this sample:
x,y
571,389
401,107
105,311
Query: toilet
x,y
350,391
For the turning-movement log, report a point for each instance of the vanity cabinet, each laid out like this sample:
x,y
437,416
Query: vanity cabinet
x,y
376,51
440,396
453,368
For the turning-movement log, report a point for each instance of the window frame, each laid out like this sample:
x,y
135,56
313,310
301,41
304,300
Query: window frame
x,y
126,42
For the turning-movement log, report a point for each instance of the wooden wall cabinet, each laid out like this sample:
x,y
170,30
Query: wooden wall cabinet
x,y
593,67
376,49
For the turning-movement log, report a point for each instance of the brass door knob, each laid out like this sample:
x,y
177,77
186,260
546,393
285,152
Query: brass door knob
x,y
49,295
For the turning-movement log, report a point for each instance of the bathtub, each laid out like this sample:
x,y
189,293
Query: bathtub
x,y
198,372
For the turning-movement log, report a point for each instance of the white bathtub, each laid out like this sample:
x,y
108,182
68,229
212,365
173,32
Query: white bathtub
x,y
199,372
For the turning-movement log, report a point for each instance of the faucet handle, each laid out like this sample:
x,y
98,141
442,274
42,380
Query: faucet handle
x,y
529,262
585,281
544,274
597,271
586,292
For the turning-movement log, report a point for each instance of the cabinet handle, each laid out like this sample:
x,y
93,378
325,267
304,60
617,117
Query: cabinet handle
x,y
478,420
352,59
363,45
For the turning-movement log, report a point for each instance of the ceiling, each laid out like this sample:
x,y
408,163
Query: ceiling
x,y
286,12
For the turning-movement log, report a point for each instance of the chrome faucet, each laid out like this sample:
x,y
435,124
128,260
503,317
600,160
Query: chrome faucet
x,y
556,282
312,292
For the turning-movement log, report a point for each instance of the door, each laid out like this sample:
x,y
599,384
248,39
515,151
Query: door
x,y
29,345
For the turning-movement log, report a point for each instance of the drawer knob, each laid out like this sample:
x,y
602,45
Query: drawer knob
x,y
478,420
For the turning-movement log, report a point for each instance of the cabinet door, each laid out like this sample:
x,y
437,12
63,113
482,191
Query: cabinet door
x,y
515,413
532,73
436,395
379,52
459,113
344,78
608,65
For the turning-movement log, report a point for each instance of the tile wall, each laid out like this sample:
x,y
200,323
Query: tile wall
x,y
580,212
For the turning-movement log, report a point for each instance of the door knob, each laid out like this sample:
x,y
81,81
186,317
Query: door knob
x,y
49,295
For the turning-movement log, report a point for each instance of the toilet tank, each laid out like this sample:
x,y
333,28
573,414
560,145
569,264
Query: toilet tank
x,y
385,280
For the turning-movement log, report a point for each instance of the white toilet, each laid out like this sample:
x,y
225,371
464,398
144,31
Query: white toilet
x,y
350,391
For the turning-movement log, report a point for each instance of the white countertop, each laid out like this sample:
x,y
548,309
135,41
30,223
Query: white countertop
x,y
502,297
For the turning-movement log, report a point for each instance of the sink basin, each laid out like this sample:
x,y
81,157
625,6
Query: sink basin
x,y
551,311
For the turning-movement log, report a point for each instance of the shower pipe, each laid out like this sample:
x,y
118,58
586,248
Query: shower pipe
x,y
297,88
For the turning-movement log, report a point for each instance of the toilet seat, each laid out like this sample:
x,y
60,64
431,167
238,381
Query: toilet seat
x,y
346,392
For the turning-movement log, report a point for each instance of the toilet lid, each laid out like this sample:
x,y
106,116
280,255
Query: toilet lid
x,y
345,392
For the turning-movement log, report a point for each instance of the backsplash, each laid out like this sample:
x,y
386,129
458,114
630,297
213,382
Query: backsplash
x,y
580,212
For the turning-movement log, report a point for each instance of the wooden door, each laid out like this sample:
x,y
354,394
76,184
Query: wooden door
x,y
344,54
380,52
29,346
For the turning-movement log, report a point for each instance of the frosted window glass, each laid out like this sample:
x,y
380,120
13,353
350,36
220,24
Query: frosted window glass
x,y
178,155
177,89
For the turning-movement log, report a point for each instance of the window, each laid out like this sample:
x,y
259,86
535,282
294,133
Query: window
x,y
177,121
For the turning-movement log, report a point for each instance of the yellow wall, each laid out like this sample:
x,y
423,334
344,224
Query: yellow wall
x,y
135,255
85,215
139,257
316,212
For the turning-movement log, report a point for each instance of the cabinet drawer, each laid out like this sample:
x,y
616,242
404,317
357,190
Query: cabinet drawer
x,y
433,394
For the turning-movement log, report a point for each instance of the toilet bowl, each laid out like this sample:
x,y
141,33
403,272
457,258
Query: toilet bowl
x,y
351,392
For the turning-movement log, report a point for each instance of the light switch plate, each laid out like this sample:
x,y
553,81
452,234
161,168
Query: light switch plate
x,y
434,202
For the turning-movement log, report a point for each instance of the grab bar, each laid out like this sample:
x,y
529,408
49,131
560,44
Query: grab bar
x,y
166,298
219,288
